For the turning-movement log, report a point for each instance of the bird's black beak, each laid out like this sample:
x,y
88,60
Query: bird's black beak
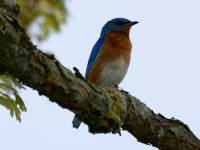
x,y
134,23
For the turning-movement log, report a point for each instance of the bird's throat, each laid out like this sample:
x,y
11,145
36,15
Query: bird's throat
x,y
119,39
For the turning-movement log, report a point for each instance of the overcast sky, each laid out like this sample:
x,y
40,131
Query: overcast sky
x,y
164,73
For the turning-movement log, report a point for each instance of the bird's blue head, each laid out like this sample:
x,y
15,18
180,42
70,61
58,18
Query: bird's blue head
x,y
117,24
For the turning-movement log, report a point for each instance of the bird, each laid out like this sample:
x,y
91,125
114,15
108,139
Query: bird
x,y
110,57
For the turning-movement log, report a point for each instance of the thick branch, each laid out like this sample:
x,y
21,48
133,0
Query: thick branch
x,y
104,110
9,3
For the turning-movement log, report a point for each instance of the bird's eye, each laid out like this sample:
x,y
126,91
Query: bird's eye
x,y
119,23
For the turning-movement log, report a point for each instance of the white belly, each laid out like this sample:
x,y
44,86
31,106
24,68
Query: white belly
x,y
113,73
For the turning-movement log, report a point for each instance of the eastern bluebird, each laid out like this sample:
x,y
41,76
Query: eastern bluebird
x,y
110,56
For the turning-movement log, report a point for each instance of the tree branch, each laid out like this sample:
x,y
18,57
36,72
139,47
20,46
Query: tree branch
x,y
104,110
9,3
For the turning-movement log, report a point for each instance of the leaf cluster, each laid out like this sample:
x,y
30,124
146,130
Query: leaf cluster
x,y
46,15
9,96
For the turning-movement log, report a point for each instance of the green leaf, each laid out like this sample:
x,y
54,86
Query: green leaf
x,y
7,87
20,102
6,101
17,113
14,106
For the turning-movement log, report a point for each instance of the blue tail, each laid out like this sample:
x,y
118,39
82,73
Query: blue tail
x,y
76,122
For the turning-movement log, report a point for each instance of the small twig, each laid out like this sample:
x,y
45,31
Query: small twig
x,y
121,90
124,92
78,74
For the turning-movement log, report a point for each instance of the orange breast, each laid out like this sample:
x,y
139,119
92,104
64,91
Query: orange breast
x,y
117,45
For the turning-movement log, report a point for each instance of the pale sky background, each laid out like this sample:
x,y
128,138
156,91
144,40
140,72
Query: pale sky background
x,y
164,73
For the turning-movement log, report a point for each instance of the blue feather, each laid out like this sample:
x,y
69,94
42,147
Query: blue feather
x,y
94,54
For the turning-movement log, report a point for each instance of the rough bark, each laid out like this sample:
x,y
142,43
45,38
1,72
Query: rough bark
x,y
104,110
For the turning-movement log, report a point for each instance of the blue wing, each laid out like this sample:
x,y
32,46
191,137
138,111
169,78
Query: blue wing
x,y
94,54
